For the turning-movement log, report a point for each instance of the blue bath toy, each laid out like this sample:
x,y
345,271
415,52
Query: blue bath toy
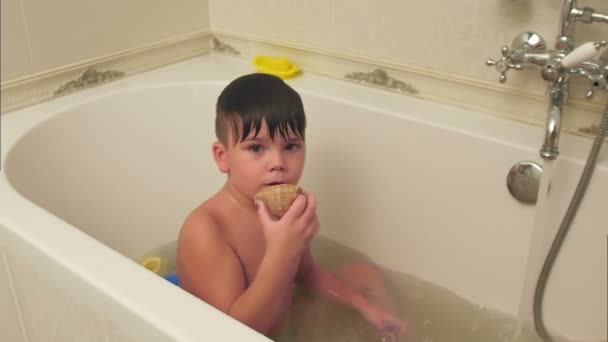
x,y
172,278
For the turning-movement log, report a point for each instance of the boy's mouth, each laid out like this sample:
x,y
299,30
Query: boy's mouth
x,y
273,183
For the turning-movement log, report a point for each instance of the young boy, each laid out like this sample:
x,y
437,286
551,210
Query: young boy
x,y
231,253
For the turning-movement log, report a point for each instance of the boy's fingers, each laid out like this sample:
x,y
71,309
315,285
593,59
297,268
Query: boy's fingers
x,y
397,326
316,229
311,207
262,211
297,207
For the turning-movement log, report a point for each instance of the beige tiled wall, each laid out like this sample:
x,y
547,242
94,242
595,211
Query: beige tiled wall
x,y
39,35
14,50
453,37
448,36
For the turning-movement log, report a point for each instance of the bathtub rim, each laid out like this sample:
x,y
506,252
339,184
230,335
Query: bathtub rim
x,y
70,247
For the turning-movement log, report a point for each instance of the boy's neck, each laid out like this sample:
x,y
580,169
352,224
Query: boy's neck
x,y
239,198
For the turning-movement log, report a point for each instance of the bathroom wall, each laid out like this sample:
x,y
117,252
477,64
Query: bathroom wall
x,y
439,47
449,36
40,35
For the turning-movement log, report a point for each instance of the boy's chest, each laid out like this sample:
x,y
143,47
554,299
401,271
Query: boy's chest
x,y
247,241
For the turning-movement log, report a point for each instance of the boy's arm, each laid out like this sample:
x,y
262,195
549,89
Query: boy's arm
x,y
331,287
327,284
209,269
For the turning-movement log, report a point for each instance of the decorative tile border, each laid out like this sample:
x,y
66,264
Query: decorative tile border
x,y
44,86
454,90
459,91
90,77
380,78
221,47
591,130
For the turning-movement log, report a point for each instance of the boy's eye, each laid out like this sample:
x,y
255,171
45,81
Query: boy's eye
x,y
292,146
255,148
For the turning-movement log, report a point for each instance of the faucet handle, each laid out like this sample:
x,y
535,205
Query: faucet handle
x,y
582,53
598,82
504,63
591,92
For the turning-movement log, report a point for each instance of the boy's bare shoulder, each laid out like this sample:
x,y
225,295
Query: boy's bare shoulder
x,y
205,253
204,220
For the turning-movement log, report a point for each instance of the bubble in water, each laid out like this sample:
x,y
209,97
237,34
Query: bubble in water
x,y
475,326
388,338
427,322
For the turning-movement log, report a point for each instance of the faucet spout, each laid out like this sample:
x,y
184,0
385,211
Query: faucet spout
x,y
558,93
600,18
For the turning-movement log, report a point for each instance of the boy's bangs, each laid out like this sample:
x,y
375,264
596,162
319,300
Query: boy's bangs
x,y
252,99
289,127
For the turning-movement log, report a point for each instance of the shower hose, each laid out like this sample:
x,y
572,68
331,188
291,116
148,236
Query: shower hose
x,y
579,193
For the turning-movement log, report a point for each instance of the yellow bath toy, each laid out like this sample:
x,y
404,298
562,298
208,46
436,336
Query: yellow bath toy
x,y
160,260
277,66
155,264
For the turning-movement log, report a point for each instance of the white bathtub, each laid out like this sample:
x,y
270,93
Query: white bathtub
x,y
95,178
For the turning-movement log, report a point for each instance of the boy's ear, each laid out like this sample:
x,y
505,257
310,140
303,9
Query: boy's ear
x,y
220,156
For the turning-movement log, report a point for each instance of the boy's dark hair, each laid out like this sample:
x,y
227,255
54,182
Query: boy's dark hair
x,y
252,98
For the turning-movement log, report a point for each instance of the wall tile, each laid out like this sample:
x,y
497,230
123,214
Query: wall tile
x,y
295,21
233,16
453,37
10,324
156,20
406,33
68,31
14,52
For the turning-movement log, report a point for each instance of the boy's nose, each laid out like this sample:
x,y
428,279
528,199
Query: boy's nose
x,y
278,162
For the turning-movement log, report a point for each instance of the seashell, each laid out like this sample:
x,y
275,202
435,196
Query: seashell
x,y
278,198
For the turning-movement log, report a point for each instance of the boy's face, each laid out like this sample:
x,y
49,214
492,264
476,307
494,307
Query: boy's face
x,y
261,161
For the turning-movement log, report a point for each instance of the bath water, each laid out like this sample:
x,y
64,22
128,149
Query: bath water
x,y
435,314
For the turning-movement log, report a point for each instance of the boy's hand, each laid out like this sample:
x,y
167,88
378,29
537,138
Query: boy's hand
x,y
289,236
386,322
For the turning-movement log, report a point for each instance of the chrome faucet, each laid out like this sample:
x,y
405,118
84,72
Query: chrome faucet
x,y
558,93
558,65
